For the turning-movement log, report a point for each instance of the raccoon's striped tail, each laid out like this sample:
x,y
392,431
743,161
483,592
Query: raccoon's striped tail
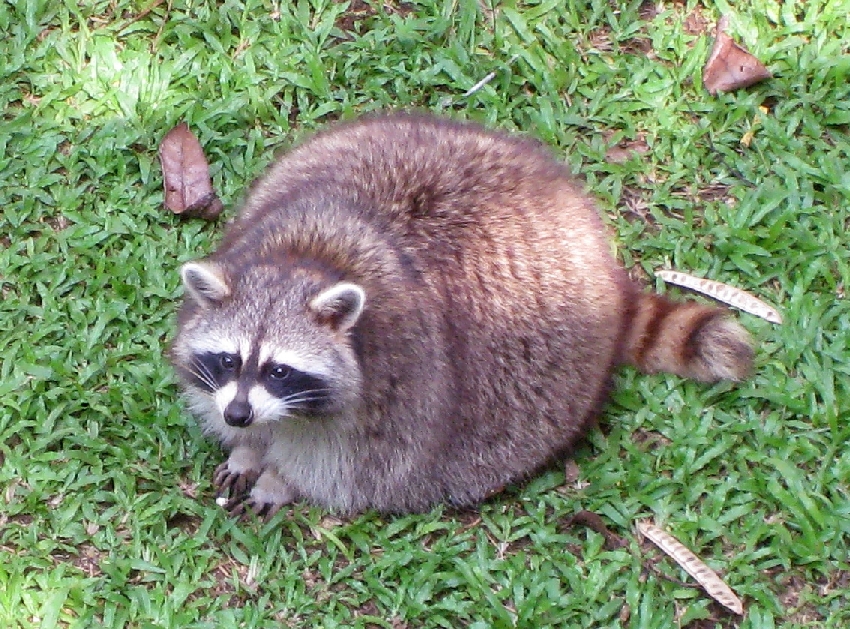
x,y
688,339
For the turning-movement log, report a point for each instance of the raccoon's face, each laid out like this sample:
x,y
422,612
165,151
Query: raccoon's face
x,y
267,346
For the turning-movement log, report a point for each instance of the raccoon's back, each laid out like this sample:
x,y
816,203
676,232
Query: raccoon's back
x,y
440,190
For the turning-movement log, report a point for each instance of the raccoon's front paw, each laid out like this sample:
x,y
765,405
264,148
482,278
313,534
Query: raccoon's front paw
x,y
230,485
234,478
268,495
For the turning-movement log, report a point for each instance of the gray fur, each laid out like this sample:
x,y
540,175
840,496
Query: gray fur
x,y
453,289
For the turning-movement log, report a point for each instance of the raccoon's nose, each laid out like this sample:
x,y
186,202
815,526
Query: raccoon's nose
x,y
238,413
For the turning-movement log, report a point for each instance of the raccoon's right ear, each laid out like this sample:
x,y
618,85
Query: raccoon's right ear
x,y
205,282
339,306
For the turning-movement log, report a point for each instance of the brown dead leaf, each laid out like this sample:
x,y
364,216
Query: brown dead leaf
x,y
730,295
186,175
694,566
730,66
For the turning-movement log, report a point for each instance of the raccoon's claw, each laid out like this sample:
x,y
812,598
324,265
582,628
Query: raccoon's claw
x,y
233,485
244,509
251,492
235,507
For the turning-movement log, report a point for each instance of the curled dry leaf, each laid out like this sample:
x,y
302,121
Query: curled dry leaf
x,y
571,472
691,564
186,175
730,66
747,138
730,295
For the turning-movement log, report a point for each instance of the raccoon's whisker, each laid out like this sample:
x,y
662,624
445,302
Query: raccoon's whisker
x,y
202,373
204,379
311,391
311,395
308,393
303,401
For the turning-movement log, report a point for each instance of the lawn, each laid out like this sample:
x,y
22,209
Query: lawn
x,y
107,518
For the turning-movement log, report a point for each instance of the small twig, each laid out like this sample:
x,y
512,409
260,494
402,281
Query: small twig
x,y
594,522
161,26
143,13
486,79
448,100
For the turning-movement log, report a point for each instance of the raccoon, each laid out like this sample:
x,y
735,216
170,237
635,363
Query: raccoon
x,y
409,311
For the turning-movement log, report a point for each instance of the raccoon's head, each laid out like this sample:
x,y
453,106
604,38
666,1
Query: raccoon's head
x,y
266,345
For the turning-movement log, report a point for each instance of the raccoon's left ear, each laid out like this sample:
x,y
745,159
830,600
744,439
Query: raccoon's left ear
x,y
205,282
339,306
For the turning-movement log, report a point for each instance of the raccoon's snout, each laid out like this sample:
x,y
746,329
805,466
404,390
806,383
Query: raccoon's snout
x,y
238,414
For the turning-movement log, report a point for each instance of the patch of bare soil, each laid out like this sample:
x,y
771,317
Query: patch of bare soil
x,y
626,148
697,23
87,558
634,204
359,10
797,595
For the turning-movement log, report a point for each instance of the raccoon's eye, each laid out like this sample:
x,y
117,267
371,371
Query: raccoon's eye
x,y
279,372
228,363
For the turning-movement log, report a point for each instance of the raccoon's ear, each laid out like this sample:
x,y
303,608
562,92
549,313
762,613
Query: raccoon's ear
x,y
205,282
339,306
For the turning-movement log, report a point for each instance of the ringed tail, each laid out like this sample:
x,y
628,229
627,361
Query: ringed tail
x,y
688,339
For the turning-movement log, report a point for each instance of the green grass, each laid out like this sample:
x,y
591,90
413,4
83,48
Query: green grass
x,y
106,513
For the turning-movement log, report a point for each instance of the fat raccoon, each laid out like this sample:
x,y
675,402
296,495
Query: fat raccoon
x,y
409,311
